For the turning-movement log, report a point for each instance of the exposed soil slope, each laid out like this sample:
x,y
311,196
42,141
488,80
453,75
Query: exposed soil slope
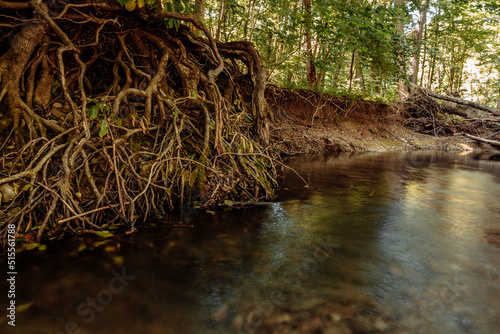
x,y
310,122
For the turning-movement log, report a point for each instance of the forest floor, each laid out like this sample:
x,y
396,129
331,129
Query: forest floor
x,y
309,122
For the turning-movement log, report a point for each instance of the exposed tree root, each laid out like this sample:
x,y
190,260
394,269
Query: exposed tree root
x,y
116,118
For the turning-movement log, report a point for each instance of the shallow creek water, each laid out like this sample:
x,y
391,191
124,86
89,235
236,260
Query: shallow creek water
x,y
377,243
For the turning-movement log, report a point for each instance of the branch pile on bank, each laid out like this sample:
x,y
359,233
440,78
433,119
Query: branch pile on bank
x,y
439,115
108,116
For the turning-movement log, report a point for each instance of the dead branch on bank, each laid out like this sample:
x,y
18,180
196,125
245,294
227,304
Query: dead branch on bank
x,y
484,140
471,104
116,117
424,114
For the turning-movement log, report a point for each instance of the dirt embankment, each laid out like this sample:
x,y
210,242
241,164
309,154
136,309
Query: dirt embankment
x,y
310,122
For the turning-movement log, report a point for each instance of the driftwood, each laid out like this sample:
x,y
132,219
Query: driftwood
x,y
471,104
489,141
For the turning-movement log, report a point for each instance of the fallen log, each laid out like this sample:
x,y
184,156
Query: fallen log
x,y
474,105
489,141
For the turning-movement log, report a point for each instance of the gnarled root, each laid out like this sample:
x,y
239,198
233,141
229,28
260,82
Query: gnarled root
x,y
137,120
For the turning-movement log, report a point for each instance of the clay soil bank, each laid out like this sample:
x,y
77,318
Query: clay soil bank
x,y
309,122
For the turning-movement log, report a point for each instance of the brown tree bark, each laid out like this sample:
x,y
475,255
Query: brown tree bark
x,y
498,102
222,15
310,68
415,58
12,66
200,16
402,88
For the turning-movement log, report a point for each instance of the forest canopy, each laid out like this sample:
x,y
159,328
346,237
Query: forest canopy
x,y
356,46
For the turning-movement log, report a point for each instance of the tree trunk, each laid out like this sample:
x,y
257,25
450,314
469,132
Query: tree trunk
x,y
351,71
222,12
422,72
201,6
498,102
251,12
310,68
402,89
415,58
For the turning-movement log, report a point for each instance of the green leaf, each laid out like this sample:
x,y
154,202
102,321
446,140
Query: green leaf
x,y
117,119
27,187
93,112
82,247
169,6
55,85
98,244
130,5
118,260
104,234
103,128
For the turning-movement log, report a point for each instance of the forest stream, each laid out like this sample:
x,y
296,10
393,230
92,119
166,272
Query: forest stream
x,y
376,243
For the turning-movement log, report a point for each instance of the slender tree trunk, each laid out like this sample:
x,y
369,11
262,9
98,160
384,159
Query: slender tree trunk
x,y
222,11
310,68
431,72
498,102
415,58
201,6
359,73
422,74
402,89
336,77
351,73
452,68
251,14
322,72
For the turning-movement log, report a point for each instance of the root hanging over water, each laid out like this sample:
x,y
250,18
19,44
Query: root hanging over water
x,y
108,116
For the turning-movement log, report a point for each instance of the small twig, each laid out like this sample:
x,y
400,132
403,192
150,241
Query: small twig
x,y
7,139
60,198
31,172
493,134
321,251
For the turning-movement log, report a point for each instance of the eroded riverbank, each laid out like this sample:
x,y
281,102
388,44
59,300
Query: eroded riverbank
x,y
309,122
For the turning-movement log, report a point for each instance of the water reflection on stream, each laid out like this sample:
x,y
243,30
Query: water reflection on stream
x,y
382,243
